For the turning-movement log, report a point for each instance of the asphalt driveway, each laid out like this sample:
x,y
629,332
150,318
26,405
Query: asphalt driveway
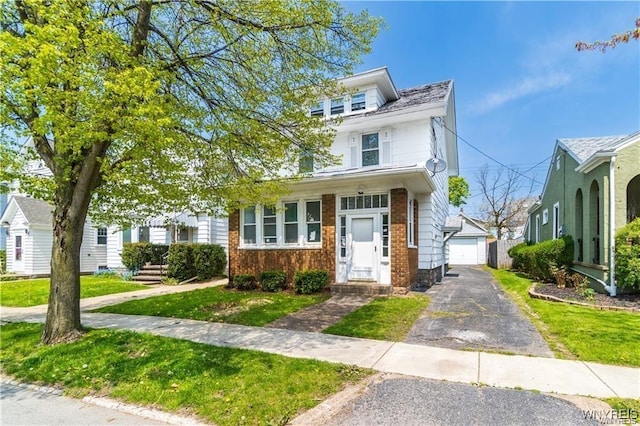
x,y
469,310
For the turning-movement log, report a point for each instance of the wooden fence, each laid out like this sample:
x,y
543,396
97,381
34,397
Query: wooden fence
x,y
497,256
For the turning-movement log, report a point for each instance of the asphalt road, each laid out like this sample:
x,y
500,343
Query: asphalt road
x,y
411,401
23,405
468,310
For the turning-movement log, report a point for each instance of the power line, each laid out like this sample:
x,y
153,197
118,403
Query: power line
x,y
488,156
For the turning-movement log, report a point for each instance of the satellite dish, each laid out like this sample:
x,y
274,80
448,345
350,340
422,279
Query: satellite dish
x,y
436,165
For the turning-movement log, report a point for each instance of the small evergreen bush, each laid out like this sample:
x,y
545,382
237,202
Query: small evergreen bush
x,y
209,260
3,261
540,260
627,256
244,282
273,280
310,281
180,263
135,255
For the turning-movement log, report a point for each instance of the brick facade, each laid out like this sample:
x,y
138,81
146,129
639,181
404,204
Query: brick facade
x,y
404,260
290,260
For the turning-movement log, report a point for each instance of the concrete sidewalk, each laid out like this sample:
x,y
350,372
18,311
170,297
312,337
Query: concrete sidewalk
x,y
507,371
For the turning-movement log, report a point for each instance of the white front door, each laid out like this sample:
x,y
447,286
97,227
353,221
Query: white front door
x,y
363,263
18,254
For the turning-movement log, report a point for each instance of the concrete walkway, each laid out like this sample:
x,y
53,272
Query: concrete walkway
x,y
508,371
321,316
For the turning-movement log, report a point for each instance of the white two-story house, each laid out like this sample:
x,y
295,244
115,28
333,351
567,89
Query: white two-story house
x,y
378,217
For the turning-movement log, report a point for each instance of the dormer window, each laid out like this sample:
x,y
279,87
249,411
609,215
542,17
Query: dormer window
x,y
337,106
357,102
317,109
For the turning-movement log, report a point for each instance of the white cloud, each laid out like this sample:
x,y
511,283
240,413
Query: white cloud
x,y
526,87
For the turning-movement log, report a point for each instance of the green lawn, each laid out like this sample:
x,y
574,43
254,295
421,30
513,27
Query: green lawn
x,y
388,318
36,292
219,304
587,334
221,385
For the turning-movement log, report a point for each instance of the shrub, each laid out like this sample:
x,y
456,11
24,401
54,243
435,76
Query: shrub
x,y
627,256
209,260
273,280
180,263
3,261
538,260
134,255
244,282
311,281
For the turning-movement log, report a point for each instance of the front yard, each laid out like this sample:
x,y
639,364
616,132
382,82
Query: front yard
x,y
218,304
575,332
23,293
220,385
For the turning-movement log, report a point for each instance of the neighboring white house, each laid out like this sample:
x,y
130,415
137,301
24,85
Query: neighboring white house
x,y
378,216
468,246
26,224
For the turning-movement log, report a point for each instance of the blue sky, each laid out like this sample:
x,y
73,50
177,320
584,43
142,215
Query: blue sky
x,y
520,84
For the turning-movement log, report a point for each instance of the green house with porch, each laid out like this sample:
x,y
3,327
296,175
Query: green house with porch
x,y
592,190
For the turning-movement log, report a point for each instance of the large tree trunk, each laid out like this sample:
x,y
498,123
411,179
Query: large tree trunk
x,y
63,315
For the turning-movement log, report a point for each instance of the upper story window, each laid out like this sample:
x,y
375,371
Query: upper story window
x,y
102,236
358,102
337,106
370,150
558,162
305,164
545,216
317,109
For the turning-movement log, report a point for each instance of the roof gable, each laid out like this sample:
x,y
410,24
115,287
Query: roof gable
x,y
583,148
36,212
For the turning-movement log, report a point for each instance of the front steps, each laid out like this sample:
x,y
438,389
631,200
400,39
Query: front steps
x,y
362,288
151,274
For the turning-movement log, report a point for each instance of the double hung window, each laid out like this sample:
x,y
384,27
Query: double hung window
x,y
290,223
370,150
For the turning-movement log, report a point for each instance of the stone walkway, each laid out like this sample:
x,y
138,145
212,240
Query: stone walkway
x,y
321,316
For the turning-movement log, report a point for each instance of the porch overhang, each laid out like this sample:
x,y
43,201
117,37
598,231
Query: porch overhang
x,y
415,178
163,221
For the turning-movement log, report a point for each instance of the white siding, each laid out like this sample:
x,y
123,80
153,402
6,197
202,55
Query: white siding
x,y
158,235
220,232
114,248
40,244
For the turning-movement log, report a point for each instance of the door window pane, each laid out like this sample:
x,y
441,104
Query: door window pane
x,y
362,229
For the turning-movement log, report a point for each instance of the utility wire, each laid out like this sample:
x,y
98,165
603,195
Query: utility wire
x,y
488,156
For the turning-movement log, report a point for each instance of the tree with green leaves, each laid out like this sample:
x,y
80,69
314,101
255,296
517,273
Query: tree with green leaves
x,y
458,191
144,106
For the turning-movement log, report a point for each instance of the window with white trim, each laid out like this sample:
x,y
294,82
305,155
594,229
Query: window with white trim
x,y
359,202
343,236
358,102
337,106
269,227
370,150
291,223
410,224
313,220
288,224
102,236
545,216
249,225
557,231
317,109
537,228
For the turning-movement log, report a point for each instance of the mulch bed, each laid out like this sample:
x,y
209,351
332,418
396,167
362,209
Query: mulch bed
x,y
598,299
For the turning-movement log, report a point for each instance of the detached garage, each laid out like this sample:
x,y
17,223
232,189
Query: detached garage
x,y
469,246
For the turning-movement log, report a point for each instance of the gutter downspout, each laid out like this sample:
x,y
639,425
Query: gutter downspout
x,y
612,228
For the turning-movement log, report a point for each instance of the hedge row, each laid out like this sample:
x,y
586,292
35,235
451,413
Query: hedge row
x,y
3,261
135,255
304,282
627,256
184,260
539,260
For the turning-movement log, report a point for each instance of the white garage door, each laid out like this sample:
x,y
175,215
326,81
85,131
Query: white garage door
x,y
463,251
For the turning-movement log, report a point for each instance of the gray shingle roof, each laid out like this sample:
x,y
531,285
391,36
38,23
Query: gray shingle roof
x,y
452,223
37,212
413,96
583,148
